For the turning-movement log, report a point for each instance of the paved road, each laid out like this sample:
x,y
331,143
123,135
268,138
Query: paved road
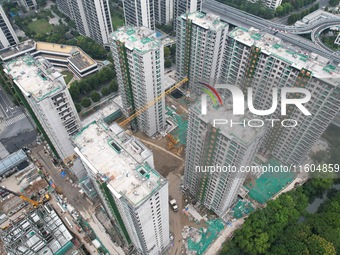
x,y
286,33
77,200
16,129
7,109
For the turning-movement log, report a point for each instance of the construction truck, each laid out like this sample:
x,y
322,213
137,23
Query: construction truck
x,y
173,204
44,198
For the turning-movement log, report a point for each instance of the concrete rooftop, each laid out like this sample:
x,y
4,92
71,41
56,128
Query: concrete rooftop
x,y
243,134
118,159
208,21
76,56
35,77
298,58
140,39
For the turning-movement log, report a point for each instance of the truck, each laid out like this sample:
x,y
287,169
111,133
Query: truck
x,y
173,204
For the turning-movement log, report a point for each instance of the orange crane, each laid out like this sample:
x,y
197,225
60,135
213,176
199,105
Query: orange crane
x,y
34,203
152,102
69,160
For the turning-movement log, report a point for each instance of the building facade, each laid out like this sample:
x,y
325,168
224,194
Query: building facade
x,y
210,145
133,193
7,35
92,17
139,13
28,4
200,46
262,62
163,11
44,93
185,6
139,63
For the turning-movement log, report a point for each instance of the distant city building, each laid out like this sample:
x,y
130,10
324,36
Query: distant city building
x,y
200,48
222,145
133,193
139,63
272,4
163,11
7,35
185,6
28,4
45,95
140,13
261,61
92,17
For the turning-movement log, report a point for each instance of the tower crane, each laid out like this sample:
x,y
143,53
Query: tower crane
x,y
152,102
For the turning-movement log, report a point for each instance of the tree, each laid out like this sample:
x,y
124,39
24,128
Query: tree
x,y
113,86
166,52
74,90
78,107
279,11
105,91
333,2
95,96
85,102
167,63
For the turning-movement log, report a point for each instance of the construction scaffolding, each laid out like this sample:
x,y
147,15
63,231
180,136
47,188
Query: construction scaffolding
x,y
269,183
39,231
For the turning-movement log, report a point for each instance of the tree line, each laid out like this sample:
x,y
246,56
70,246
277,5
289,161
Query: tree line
x,y
284,226
297,16
85,91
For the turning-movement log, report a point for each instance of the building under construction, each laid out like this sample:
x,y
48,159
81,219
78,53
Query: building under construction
x,y
39,231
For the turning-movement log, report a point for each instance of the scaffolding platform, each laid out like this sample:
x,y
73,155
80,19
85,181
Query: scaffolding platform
x,y
242,208
269,183
182,125
207,236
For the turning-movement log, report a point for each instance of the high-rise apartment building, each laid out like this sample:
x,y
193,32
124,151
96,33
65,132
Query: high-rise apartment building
x,y
227,146
163,11
261,61
45,95
200,46
7,35
133,193
92,17
139,63
28,4
139,13
185,6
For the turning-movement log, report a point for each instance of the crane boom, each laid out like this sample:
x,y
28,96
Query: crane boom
x,y
24,198
152,102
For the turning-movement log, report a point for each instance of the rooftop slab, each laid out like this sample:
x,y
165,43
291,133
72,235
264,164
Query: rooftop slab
x,y
296,57
140,39
208,21
120,160
242,133
35,77
76,56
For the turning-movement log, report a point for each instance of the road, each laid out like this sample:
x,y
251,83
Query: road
x,y
77,200
16,129
286,33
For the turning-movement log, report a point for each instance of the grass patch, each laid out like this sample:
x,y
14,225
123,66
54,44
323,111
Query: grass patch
x,y
67,76
117,20
40,26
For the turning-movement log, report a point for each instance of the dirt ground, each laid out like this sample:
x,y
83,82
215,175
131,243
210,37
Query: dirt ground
x,y
165,161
